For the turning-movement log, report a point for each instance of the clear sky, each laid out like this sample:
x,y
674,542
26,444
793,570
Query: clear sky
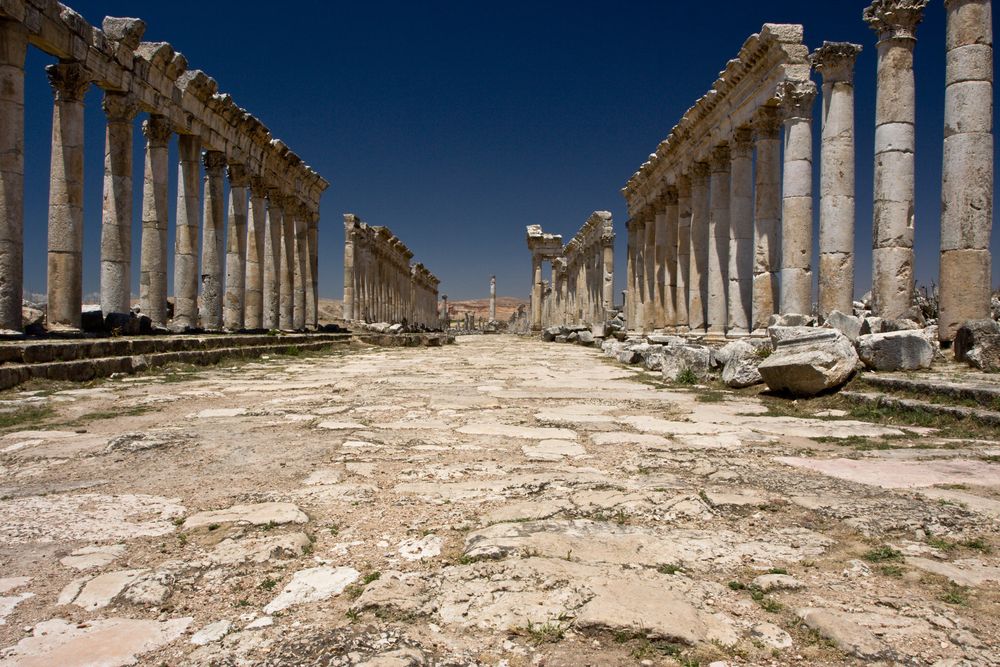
x,y
456,123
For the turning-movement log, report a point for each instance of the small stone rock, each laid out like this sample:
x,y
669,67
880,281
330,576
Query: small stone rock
x,y
211,633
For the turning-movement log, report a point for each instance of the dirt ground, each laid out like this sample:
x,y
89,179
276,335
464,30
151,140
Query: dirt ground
x,y
500,501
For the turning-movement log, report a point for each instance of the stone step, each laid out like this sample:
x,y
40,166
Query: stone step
x,y
982,391
991,417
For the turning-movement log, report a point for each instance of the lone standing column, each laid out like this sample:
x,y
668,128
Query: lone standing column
x,y
286,309
740,232
683,252
608,277
493,298
718,244
272,260
65,257
13,48
967,176
256,226
835,61
767,216
348,308
698,280
186,239
536,292
896,22
796,202
213,242
153,254
236,249
116,221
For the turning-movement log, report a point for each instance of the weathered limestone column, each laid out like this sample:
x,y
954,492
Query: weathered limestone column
x,y
493,298
236,249
13,48
896,22
659,263
312,273
348,307
683,252
153,253
186,239
967,174
272,260
629,304
116,220
651,306
639,224
766,216
253,317
536,292
212,241
300,271
608,277
65,256
286,308
796,199
835,61
698,275
669,258
718,243
740,232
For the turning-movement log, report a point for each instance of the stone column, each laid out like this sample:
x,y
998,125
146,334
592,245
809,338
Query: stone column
x,y
651,305
116,220
13,48
796,199
493,298
639,224
629,304
312,271
668,262
213,241
718,242
186,233
967,174
698,277
153,253
300,271
766,216
896,22
253,317
659,263
236,249
348,307
683,252
65,256
286,273
835,61
608,276
740,232
536,292
272,260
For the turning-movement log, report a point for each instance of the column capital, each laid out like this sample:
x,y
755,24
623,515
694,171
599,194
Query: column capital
x,y
719,158
699,174
670,195
275,198
742,144
257,187
683,185
120,107
766,123
835,61
895,19
69,81
238,177
215,162
796,99
157,130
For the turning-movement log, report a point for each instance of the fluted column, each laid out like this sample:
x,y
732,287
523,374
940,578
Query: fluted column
x,y
155,214
740,289
300,271
234,306
253,317
13,48
608,276
698,276
718,243
186,233
896,22
286,273
683,252
213,241
65,253
493,298
272,260
116,220
766,216
796,199
536,292
967,174
835,61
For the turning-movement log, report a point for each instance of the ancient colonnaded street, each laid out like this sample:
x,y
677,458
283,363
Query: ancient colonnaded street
x,y
500,501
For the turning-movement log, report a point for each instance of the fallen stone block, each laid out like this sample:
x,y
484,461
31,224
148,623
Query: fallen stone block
x,y
848,325
585,338
969,334
677,359
895,351
777,334
806,366
740,368
985,355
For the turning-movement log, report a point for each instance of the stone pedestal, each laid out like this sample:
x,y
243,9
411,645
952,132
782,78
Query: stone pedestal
x,y
967,173
13,48
186,233
213,242
256,229
153,253
835,61
767,216
740,290
236,249
116,220
65,248
683,252
718,240
698,277
895,21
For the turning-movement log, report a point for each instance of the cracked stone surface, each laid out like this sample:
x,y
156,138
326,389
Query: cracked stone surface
x,y
500,501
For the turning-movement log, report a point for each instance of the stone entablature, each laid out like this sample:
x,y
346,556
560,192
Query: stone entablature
x,y
380,285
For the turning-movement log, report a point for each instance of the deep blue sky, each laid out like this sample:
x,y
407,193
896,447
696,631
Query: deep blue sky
x,y
458,123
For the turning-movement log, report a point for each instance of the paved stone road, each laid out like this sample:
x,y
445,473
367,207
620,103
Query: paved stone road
x,y
496,502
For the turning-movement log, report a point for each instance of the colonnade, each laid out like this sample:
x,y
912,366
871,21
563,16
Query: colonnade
x,y
258,257
720,229
379,283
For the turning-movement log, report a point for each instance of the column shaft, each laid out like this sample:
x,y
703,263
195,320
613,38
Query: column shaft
x,y
234,306
272,261
213,242
116,219
740,232
286,309
630,275
155,214
536,292
666,239
718,242
796,200
312,270
640,273
301,273
767,216
698,276
493,298
659,281
607,277
186,233
683,252
13,48
256,230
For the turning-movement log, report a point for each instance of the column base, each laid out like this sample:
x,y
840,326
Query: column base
x,y
737,333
